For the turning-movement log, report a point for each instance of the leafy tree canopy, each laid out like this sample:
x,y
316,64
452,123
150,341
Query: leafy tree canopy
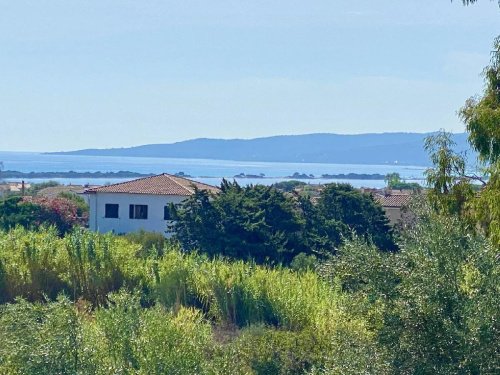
x,y
481,115
31,213
394,181
267,225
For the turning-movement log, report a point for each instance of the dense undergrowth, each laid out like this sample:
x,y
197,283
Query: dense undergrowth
x,y
100,304
119,311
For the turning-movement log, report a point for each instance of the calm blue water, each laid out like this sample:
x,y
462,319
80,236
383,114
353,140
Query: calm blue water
x,y
209,171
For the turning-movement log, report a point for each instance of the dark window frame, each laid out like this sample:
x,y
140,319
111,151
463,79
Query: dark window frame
x,y
109,210
166,213
138,212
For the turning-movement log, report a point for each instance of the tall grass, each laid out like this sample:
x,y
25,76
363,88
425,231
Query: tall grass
x,y
169,312
37,264
29,264
243,293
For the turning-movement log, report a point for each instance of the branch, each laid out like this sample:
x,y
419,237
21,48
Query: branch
x,y
475,178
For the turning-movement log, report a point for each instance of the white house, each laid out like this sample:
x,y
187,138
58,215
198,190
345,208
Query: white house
x,y
139,204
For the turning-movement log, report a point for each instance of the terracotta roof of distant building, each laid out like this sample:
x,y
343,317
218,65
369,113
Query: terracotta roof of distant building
x,y
396,200
162,184
54,191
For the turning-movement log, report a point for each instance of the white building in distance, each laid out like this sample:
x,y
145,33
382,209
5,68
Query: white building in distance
x,y
139,204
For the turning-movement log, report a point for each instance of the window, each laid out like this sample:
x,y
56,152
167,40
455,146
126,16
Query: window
x,y
166,213
138,211
111,211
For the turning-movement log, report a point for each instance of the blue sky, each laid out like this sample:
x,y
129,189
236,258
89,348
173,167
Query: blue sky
x,y
82,74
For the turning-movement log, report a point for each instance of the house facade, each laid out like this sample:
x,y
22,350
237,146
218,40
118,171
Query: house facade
x,y
139,204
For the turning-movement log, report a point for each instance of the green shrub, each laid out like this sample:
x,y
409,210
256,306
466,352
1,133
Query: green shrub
x,y
152,243
41,339
30,265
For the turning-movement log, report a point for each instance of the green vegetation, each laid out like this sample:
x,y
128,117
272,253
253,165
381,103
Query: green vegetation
x,y
289,186
175,313
281,284
266,225
82,208
31,212
35,188
436,298
99,304
394,181
452,189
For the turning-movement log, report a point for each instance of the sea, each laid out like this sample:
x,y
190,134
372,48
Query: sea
x,y
203,170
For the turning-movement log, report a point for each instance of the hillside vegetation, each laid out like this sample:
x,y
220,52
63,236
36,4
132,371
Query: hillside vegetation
x,y
98,304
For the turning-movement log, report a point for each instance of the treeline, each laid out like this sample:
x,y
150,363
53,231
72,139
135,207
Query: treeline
x,y
265,225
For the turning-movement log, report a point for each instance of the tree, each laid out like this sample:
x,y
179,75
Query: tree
x,y
482,115
253,222
289,186
31,213
392,178
394,181
13,212
266,225
450,187
341,210
437,298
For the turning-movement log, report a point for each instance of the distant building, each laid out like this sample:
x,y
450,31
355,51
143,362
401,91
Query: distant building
x,y
55,191
393,205
13,187
139,204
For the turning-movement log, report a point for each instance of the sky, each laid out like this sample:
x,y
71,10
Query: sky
x,y
119,73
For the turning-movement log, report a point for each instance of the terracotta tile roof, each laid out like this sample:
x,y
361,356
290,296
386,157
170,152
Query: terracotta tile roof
x,y
396,200
162,184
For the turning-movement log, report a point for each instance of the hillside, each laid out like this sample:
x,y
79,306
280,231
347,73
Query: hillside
x,y
383,148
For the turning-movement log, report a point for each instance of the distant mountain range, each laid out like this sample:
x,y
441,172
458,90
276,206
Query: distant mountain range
x,y
374,148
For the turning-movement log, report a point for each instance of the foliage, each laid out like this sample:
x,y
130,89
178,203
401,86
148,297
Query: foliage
x,y
283,322
41,339
482,115
34,264
482,119
486,206
450,188
151,242
241,293
342,209
435,302
267,225
432,307
254,222
304,262
289,186
12,213
32,212
35,188
394,181
82,208
61,212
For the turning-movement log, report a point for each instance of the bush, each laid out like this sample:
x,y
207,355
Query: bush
x,y
152,243
39,264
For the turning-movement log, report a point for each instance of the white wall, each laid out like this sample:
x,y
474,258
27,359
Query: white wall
x,y
154,222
